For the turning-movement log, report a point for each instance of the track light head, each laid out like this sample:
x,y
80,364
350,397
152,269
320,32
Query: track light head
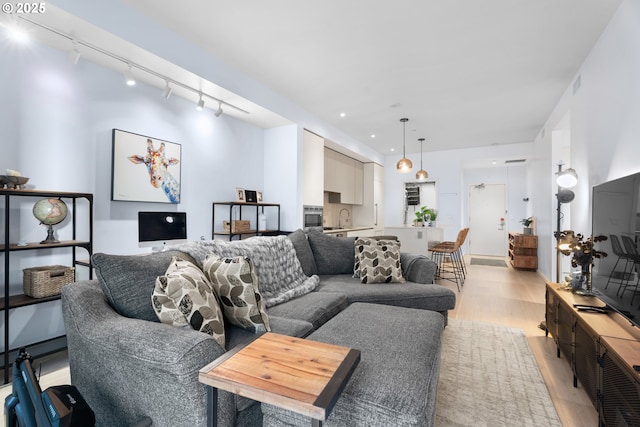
x,y
200,105
219,111
167,91
128,77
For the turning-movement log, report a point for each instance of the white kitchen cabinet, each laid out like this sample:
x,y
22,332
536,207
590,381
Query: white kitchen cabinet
x,y
344,175
371,211
331,182
314,169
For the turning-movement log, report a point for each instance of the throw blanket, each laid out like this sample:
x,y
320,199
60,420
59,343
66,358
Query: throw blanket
x,y
280,275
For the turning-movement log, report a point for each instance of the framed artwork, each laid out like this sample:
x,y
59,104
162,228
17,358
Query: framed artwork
x,y
250,196
145,169
240,197
259,196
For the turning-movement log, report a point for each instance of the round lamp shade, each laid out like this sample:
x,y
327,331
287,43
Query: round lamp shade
x,y
404,165
50,211
567,178
422,174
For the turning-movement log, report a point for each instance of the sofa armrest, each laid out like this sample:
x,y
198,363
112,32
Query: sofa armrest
x,y
418,268
129,368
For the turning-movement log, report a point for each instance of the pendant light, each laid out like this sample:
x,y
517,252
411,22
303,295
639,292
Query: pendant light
x,y
421,174
404,165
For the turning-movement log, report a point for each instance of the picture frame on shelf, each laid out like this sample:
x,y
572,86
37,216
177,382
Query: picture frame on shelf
x,y
259,196
145,169
240,195
251,196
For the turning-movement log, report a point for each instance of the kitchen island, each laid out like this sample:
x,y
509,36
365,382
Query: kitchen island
x,y
416,240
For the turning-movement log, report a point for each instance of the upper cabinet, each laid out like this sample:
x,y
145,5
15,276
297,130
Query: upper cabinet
x,y
314,169
343,175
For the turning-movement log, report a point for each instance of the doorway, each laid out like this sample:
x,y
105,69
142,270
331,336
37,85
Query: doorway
x,y
487,219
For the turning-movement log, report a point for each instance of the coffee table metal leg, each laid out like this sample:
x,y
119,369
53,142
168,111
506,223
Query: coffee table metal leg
x,y
212,406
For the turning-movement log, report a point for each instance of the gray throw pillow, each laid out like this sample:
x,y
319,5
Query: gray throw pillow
x,y
128,280
304,252
333,255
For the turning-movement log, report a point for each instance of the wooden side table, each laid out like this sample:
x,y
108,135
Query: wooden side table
x,y
299,375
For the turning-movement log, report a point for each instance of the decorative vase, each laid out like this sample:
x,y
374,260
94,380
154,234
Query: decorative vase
x,y
585,281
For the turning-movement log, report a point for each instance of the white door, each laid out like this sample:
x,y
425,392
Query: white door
x,y
487,219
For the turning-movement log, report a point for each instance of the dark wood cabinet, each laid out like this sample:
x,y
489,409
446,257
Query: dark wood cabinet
x,y
523,251
603,349
14,301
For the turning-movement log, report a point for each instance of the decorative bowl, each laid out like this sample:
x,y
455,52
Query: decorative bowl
x,y
16,181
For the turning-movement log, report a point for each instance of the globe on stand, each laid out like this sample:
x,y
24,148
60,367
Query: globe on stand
x,y
50,212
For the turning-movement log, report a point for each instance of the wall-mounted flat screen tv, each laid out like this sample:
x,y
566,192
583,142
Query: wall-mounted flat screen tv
x,y
616,214
159,228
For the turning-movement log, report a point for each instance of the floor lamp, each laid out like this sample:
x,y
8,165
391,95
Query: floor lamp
x,y
565,179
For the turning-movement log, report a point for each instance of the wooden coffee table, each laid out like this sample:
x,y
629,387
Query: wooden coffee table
x,y
299,375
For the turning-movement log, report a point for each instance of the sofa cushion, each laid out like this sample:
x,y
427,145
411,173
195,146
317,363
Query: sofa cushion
x,y
315,307
235,282
333,255
304,252
408,294
378,261
128,280
187,286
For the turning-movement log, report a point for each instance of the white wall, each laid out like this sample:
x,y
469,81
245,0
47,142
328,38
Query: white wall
x,y
57,131
605,130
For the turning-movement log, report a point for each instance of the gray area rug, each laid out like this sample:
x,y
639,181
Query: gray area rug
x,y
490,262
489,377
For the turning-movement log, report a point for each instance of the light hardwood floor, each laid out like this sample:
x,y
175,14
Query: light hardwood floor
x,y
498,295
516,298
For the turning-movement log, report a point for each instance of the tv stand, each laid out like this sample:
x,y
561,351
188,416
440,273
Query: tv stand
x,y
602,347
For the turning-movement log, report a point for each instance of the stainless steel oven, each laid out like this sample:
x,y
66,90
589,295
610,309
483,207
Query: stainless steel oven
x,y
312,217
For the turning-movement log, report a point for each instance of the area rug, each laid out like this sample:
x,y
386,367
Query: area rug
x,y
489,377
490,262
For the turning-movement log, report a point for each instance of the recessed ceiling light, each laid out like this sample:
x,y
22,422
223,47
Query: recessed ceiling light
x,y
373,135
393,149
494,162
343,114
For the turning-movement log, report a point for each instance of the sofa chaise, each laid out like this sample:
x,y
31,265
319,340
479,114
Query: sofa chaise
x,y
128,365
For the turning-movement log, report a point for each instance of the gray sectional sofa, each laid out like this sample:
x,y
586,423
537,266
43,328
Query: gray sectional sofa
x,y
128,365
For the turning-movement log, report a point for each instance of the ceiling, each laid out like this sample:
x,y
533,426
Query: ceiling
x,y
466,73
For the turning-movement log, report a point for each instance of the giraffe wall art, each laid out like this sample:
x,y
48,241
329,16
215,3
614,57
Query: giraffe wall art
x,y
145,169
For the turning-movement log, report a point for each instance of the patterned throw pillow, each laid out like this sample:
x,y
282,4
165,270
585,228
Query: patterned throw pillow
x,y
368,241
191,294
379,261
235,282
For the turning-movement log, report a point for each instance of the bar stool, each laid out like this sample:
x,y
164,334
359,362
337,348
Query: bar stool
x,y
634,255
622,255
465,232
455,266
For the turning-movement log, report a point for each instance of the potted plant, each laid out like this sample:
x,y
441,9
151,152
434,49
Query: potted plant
x,y
433,215
527,222
421,217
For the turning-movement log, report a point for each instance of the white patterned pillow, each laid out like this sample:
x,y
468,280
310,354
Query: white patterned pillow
x,y
235,282
192,295
368,241
379,261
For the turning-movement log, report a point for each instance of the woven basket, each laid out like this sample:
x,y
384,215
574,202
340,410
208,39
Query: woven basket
x,y
46,281
237,226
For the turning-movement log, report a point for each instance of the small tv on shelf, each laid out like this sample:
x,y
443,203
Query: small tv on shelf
x,y
616,215
156,229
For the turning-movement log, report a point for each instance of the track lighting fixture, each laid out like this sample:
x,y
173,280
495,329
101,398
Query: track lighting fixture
x,y
17,31
219,111
128,77
200,105
168,90
404,165
421,174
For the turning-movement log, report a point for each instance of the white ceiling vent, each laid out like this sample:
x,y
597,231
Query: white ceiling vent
x,y
515,161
